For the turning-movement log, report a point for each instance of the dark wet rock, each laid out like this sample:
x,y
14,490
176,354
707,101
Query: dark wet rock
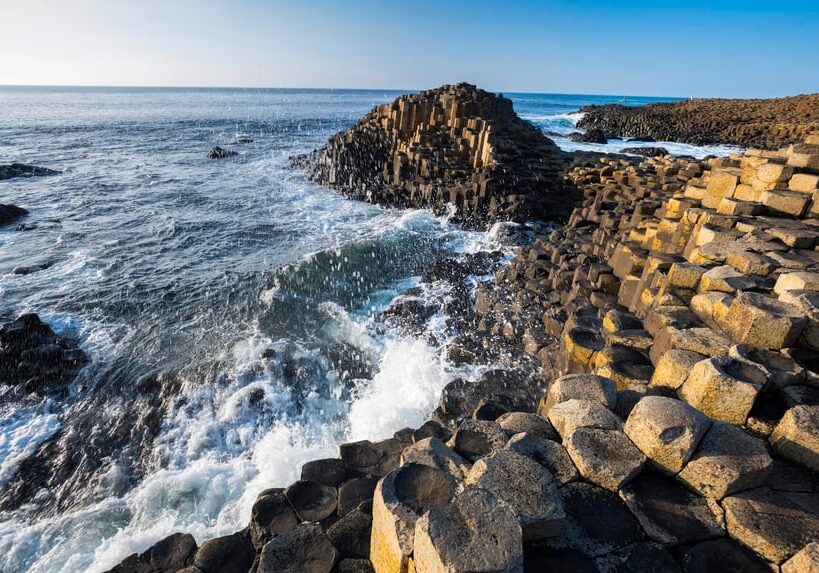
x,y
643,139
312,501
542,558
669,512
585,531
329,471
409,313
10,213
353,493
271,515
517,391
30,269
242,141
354,566
448,270
589,136
640,557
722,556
645,151
220,153
166,556
36,359
430,429
23,170
305,548
375,459
351,534
229,554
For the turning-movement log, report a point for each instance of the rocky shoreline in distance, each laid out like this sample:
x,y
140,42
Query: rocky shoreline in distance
x,y
760,123
656,401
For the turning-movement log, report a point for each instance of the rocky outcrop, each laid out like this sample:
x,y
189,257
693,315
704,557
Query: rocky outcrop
x,y
35,359
455,147
658,409
10,213
762,123
23,170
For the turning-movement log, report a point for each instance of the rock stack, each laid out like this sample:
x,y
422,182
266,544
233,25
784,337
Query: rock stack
x,y
453,147
762,123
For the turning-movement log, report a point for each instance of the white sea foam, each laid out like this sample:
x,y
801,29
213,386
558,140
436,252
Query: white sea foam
x,y
21,431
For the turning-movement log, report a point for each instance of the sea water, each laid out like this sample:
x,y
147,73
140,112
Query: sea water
x,y
228,305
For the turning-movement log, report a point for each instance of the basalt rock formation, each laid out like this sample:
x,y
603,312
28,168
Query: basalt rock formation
x,y
23,170
456,145
657,407
761,123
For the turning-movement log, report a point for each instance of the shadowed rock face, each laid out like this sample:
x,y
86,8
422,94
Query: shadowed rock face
x,y
456,145
764,123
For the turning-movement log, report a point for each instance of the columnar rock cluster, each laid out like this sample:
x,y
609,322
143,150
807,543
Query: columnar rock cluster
x,y
453,147
766,124
660,411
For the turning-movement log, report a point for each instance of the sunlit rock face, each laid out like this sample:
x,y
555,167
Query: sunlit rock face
x,y
455,148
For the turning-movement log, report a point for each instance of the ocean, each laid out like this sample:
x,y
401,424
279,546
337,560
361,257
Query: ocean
x,y
229,308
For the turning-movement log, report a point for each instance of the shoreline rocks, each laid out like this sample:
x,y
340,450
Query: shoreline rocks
x,y
657,410
766,123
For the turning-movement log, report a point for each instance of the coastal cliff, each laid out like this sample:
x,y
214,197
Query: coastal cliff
x,y
456,147
761,123
657,408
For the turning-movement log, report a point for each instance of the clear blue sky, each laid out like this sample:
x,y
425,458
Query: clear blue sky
x,y
724,48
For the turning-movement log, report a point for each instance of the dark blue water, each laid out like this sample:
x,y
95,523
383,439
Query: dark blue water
x,y
227,306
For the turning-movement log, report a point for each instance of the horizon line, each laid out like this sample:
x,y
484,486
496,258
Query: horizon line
x,y
397,90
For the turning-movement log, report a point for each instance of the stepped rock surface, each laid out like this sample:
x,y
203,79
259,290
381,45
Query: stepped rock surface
x,y
655,405
763,123
456,145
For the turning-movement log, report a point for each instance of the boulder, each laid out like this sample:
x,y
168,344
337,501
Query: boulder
x,y
769,523
312,501
166,556
644,556
477,438
434,453
372,459
589,136
722,555
796,436
585,531
271,515
723,388
674,367
669,512
400,498
551,455
524,422
528,488
581,387
763,322
567,417
229,554
350,535
604,457
305,549
330,471
354,492
476,532
666,430
727,460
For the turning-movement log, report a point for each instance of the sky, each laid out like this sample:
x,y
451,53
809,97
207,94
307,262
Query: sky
x,y
676,48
